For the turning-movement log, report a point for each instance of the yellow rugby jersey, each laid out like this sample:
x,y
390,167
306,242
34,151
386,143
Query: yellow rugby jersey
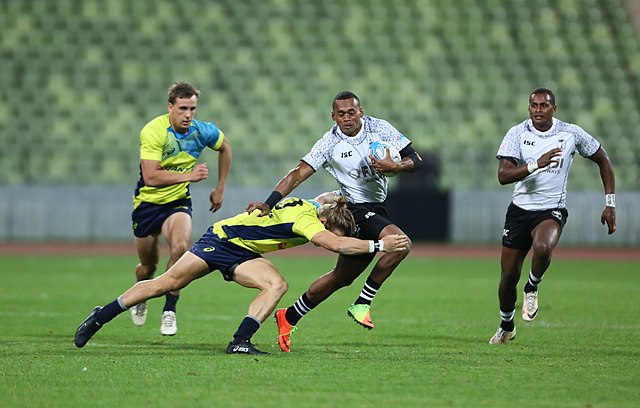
x,y
176,152
292,222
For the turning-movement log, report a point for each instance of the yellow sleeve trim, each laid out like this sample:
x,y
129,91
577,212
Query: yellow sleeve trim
x,y
220,140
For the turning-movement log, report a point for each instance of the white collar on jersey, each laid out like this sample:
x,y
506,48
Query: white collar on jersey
x,y
351,139
550,132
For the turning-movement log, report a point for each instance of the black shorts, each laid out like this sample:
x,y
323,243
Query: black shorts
x,y
520,223
221,254
371,218
148,218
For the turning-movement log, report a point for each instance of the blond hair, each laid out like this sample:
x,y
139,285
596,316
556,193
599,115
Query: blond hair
x,y
338,216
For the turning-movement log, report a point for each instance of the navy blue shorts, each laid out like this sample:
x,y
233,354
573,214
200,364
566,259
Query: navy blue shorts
x,y
221,254
371,218
148,218
519,224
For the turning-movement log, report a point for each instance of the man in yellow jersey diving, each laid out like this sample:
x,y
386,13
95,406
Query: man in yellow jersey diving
x,y
234,247
170,146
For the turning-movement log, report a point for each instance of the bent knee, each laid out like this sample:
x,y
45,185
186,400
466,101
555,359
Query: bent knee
x,y
409,245
280,286
179,249
404,252
542,249
400,255
146,270
276,287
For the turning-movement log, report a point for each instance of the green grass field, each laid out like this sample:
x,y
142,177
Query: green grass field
x,y
429,348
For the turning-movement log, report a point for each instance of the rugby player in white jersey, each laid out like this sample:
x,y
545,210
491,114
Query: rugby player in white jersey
x,y
343,151
536,155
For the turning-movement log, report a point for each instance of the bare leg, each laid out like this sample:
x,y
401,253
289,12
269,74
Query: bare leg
x,y
187,269
388,261
148,254
545,238
347,269
511,262
381,271
261,274
177,230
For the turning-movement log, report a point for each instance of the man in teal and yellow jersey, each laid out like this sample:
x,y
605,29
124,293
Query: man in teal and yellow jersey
x,y
234,247
170,146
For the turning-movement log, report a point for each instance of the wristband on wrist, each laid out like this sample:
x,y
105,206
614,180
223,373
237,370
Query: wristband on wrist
x,y
532,166
610,200
375,246
273,199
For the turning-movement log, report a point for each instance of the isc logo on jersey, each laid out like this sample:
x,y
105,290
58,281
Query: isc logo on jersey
x,y
379,151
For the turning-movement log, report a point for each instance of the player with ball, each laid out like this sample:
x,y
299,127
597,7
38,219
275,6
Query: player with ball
x,y
352,152
379,152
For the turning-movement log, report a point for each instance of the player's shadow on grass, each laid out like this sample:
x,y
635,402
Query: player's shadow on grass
x,y
403,341
152,348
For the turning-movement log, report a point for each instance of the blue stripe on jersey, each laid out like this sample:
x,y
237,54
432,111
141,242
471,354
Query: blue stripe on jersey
x,y
200,135
257,232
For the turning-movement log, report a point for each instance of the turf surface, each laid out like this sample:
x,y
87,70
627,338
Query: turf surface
x,y
429,348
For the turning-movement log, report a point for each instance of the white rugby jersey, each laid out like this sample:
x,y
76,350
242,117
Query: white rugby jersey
x,y
545,188
346,158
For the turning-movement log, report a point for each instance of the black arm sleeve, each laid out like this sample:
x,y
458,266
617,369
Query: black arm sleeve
x,y
413,155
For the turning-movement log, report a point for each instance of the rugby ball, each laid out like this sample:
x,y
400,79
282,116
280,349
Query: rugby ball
x,y
379,151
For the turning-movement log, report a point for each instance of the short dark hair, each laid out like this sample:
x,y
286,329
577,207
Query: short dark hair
x,y
346,95
552,96
182,90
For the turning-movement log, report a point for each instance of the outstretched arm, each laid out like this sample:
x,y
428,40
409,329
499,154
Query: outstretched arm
x,y
354,246
224,166
293,179
601,158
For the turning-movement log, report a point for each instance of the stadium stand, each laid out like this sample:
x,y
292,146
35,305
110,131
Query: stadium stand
x,y
78,79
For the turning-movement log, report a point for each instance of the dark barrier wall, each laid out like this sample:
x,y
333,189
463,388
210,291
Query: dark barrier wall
x,y
417,206
421,214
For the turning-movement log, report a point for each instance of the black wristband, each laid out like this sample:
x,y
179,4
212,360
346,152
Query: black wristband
x,y
273,199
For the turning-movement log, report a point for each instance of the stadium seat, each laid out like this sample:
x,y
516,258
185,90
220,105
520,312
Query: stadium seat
x,y
268,81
